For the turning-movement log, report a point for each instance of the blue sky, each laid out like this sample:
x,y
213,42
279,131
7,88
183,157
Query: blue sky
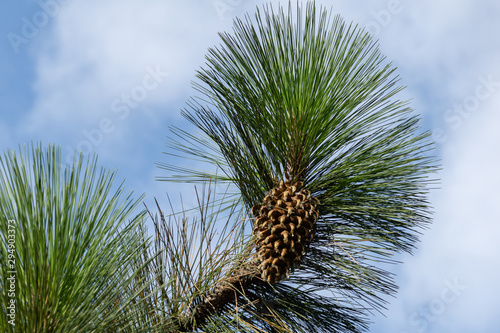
x,y
110,76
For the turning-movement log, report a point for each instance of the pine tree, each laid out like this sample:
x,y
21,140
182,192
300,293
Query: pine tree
x,y
300,111
70,248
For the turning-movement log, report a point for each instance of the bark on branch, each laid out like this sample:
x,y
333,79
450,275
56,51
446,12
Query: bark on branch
x,y
225,293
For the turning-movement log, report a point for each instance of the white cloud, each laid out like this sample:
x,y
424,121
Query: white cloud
x,y
99,50
463,243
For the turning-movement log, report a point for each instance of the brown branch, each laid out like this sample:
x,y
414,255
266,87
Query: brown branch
x,y
224,293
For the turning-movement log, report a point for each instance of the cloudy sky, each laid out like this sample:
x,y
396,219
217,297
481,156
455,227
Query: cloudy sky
x,y
110,76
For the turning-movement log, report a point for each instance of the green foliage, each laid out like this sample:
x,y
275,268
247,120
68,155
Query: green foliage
x,y
73,245
296,93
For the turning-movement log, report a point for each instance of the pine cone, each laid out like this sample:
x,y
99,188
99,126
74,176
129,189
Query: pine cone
x,y
284,227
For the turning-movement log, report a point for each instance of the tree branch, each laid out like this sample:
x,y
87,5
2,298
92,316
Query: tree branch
x,y
224,293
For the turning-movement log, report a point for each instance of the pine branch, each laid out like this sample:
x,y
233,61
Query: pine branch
x,y
300,112
75,246
224,294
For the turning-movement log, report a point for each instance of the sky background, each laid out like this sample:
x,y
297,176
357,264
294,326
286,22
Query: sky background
x,y
111,76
